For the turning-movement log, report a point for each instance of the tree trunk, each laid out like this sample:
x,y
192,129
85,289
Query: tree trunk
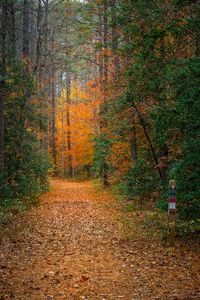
x,y
13,31
45,73
63,141
53,114
149,142
105,78
26,43
68,119
39,39
2,79
115,38
197,18
100,34
105,46
68,92
133,142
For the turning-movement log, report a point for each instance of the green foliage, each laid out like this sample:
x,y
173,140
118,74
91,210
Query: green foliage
x,y
162,202
139,181
101,152
129,208
26,163
187,91
163,88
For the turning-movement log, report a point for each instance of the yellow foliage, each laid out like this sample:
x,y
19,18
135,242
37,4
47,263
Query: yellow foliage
x,y
82,126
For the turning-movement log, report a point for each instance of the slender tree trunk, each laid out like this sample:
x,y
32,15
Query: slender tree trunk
x,y
13,31
2,79
44,74
133,142
32,34
39,39
115,38
75,140
46,21
103,70
63,141
105,44
100,34
105,78
26,41
53,114
68,92
197,17
149,142
68,119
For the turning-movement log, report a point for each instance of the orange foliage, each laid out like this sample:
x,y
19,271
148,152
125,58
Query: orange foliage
x,y
82,127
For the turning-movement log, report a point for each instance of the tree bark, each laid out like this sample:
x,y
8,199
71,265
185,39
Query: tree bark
x,y
68,92
39,39
115,38
45,73
105,46
13,31
2,79
105,78
100,34
63,141
197,18
68,119
149,142
133,142
53,114
26,43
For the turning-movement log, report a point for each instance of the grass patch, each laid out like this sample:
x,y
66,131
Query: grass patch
x,y
155,224
9,208
129,208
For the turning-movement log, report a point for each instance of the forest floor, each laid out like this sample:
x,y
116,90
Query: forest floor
x,y
76,244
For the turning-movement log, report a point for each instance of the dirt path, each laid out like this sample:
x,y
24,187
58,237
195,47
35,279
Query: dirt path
x,y
70,247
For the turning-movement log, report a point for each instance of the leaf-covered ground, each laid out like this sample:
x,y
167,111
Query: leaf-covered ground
x,y
72,247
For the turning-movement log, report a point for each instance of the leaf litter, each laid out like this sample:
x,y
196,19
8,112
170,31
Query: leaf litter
x,y
71,247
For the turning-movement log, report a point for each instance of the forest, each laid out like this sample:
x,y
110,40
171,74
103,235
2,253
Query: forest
x,y
99,131
108,89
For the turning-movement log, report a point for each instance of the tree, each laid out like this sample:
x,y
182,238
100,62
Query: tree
x,y
2,79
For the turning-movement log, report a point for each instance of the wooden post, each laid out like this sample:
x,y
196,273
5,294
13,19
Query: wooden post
x,y
171,212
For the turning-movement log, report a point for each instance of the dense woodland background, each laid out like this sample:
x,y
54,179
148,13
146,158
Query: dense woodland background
x,y
104,88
